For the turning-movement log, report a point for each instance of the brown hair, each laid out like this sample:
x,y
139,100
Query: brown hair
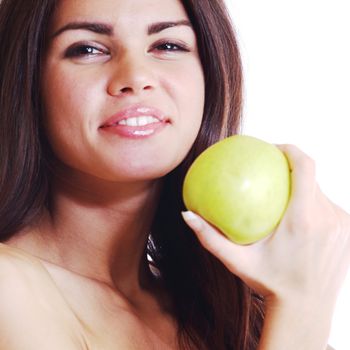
x,y
23,175
214,309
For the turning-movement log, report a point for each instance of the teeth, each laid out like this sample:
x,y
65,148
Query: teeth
x,y
143,132
139,121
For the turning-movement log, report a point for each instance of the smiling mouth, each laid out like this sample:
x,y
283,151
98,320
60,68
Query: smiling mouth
x,y
136,127
138,121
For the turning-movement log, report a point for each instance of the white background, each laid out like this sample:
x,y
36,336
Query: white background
x,y
296,57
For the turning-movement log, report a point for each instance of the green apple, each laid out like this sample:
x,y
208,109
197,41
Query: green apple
x,y
241,185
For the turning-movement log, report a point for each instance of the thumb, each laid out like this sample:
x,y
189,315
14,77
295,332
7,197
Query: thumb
x,y
232,255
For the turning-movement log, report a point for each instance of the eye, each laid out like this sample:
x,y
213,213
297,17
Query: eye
x,y
85,50
168,46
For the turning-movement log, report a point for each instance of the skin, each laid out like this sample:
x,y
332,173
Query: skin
x,y
106,186
105,182
300,295
105,191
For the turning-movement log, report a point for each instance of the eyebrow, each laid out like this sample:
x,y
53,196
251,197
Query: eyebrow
x,y
158,27
107,29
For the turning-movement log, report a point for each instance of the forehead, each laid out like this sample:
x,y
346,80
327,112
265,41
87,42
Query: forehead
x,y
119,12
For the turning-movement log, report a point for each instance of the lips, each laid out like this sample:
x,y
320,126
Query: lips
x,y
136,121
133,113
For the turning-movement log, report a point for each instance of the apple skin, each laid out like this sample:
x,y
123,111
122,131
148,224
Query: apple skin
x,y
241,185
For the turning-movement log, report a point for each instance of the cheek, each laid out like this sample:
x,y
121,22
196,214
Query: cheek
x,y
65,96
187,90
67,103
69,96
192,92
186,86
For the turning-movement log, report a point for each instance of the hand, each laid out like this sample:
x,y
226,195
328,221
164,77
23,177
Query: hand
x,y
305,258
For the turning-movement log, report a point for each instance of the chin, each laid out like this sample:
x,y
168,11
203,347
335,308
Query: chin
x,y
148,169
123,169
132,174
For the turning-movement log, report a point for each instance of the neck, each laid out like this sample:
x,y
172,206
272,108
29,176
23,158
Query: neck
x,y
100,230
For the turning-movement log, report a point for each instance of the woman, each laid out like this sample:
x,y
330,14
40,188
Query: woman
x,y
104,105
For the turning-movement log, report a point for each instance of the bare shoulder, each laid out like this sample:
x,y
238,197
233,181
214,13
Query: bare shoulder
x,y
33,314
11,256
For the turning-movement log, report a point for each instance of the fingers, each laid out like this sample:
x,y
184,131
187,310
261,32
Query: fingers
x,y
303,176
299,255
211,239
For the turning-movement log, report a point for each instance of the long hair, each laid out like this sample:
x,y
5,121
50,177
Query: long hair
x,y
214,309
24,184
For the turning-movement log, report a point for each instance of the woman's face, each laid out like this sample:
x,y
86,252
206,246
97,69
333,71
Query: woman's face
x,y
123,87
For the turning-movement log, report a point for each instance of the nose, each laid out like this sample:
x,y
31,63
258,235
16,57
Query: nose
x,y
131,75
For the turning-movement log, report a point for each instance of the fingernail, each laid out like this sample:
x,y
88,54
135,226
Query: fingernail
x,y
191,218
